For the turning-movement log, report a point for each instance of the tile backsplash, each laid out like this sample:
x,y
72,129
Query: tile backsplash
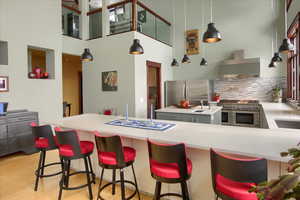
x,y
249,88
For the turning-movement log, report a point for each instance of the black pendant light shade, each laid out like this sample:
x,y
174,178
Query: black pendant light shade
x,y
136,48
174,63
286,46
87,56
276,58
185,59
203,62
272,64
212,35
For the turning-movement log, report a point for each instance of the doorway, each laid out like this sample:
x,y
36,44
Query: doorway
x,y
153,87
72,85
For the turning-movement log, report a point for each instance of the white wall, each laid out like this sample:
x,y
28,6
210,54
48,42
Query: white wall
x,y
157,52
110,53
35,23
246,24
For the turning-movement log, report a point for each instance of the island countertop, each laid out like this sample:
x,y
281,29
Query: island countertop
x,y
267,143
205,109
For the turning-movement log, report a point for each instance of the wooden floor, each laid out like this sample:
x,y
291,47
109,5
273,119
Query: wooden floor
x,y
17,181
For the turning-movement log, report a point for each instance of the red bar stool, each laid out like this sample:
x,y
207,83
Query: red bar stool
x,y
113,155
44,141
71,148
233,177
169,164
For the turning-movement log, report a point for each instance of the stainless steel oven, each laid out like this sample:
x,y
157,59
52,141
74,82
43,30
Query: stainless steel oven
x,y
246,118
241,113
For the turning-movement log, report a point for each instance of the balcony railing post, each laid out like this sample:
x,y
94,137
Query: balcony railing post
x,y
134,17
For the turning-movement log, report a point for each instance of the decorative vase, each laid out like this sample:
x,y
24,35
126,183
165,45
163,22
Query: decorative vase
x,y
277,96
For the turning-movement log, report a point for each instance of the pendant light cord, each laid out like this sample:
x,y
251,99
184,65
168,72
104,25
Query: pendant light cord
x,y
203,14
285,18
273,8
174,20
276,29
211,11
185,26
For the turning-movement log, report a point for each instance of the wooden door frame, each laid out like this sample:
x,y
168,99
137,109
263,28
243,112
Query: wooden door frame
x,y
150,64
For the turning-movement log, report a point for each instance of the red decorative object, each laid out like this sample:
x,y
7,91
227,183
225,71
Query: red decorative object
x,y
217,98
38,72
185,104
107,112
45,75
31,75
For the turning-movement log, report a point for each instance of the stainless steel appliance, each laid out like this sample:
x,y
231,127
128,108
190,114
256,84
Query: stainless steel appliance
x,y
241,113
192,90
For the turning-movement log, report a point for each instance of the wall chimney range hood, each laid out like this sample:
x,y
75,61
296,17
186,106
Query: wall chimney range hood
x,y
240,67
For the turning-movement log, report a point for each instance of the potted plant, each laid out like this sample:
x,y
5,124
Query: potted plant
x,y
286,187
277,94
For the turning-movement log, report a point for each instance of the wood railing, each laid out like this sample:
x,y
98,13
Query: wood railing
x,y
71,8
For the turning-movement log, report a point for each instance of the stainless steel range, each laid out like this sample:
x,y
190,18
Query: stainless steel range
x,y
241,113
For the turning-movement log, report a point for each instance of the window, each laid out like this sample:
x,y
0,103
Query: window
x,y
293,68
71,18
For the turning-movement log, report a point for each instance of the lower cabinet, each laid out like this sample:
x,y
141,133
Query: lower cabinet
x,y
208,119
15,132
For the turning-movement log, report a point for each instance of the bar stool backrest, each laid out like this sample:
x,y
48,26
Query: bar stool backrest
x,y
239,170
45,132
165,153
112,144
69,137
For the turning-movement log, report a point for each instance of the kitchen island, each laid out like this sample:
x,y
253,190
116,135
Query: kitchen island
x,y
199,138
197,114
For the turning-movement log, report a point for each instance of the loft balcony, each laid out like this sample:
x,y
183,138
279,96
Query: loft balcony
x,y
116,18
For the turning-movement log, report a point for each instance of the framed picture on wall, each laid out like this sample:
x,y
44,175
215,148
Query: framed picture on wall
x,y
4,84
110,81
192,42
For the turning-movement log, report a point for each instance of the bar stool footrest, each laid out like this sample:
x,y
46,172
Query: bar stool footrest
x,y
80,186
48,175
170,194
118,181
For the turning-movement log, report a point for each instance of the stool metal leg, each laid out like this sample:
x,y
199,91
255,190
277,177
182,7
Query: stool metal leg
x,y
91,168
114,180
157,191
88,178
63,178
101,178
136,185
43,163
183,189
38,172
68,173
122,184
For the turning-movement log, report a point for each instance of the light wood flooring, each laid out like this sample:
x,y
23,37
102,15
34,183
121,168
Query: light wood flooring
x,y
17,181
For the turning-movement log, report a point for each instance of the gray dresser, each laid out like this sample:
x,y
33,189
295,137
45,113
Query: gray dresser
x,y
15,132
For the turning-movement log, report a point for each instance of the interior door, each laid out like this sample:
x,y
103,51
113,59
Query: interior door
x,y
153,87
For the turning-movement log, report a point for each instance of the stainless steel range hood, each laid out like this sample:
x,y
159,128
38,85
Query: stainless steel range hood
x,y
240,67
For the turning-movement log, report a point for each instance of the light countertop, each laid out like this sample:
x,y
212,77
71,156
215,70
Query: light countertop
x,y
206,110
279,111
267,143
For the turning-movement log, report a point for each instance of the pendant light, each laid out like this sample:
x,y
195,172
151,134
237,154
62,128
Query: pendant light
x,y
272,64
276,58
212,35
203,61
87,56
286,45
174,62
136,48
185,59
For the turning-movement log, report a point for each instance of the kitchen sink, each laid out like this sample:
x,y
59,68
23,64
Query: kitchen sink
x,y
288,124
198,111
